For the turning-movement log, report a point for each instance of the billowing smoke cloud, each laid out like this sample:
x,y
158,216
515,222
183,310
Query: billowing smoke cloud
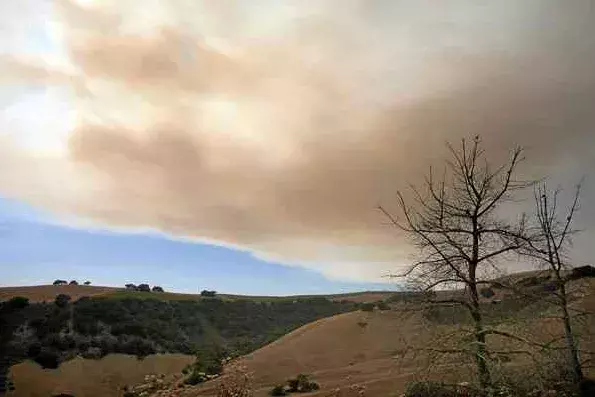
x,y
278,127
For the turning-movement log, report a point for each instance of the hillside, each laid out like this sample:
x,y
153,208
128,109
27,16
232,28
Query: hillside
x,y
374,349
93,327
47,293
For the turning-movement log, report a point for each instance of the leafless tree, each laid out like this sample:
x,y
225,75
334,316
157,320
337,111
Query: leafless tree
x,y
455,223
550,247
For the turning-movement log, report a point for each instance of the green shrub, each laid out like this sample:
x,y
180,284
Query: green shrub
x,y
278,390
367,307
18,302
62,300
382,305
195,378
302,384
47,358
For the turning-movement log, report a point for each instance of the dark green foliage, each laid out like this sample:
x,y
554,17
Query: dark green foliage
x,y
208,294
382,305
209,328
18,302
157,289
73,282
87,283
301,384
62,300
47,358
144,288
60,282
278,390
367,307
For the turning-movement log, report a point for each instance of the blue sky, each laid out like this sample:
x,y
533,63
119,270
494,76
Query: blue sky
x,y
35,249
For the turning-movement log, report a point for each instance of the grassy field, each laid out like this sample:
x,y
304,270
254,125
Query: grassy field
x,y
92,378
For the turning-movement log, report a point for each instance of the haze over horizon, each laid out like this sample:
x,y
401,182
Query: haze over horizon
x,y
248,143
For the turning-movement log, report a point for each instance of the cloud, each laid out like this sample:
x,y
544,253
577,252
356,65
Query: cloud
x,y
280,134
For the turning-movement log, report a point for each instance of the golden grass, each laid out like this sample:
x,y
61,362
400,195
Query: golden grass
x,y
92,378
47,293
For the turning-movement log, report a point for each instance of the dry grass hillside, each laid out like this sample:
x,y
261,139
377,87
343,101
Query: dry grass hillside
x,y
92,378
373,349
47,293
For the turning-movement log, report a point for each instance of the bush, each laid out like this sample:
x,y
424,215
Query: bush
x,y
87,283
60,282
367,307
157,289
302,384
73,282
487,292
144,288
278,390
382,305
428,389
62,300
207,293
18,302
47,358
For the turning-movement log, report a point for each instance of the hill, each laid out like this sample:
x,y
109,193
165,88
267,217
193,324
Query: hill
x,y
375,349
47,293
146,324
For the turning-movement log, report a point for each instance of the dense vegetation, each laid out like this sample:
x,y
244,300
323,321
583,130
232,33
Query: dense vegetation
x,y
51,333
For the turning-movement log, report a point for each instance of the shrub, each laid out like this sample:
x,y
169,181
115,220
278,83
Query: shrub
x,y
18,302
195,378
93,353
207,293
428,389
62,300
87,283
144,288
487,292
47,358
157,289
278,390
302,384
73,282
131,287
60,282
382,305
367,307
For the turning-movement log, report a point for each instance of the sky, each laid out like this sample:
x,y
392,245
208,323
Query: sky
x,y
253,140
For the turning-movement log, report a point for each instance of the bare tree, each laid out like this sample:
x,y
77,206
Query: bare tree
x,y
550,247
454,222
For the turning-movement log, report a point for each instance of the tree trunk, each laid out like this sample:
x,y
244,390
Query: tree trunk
x,y
577,371
483,372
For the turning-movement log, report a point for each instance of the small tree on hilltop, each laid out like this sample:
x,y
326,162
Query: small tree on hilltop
x,y
144,288
455,224
60,282
87,283
73,282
